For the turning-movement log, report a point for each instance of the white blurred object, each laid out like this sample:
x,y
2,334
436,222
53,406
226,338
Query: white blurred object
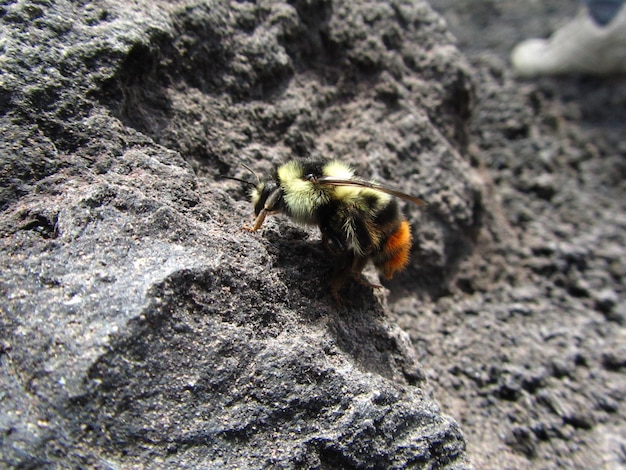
x,y
581,46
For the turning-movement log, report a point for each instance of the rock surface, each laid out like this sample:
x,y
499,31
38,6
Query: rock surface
x,y
141,327
528,353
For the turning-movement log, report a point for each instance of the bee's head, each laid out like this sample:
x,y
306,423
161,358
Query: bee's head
x,y
264,192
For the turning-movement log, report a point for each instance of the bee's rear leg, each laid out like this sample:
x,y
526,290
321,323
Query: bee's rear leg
x,y
327,245
349,266
358,264
364,282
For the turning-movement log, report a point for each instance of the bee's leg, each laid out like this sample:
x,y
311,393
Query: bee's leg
x,y
334,292
332,245
257,222
358,264
341,274
269,208
327,246
364,282
349,266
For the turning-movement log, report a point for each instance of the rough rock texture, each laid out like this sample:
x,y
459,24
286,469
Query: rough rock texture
x,y
528,352
140,326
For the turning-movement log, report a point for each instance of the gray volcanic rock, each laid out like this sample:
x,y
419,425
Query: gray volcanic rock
x,y
528,350
140,326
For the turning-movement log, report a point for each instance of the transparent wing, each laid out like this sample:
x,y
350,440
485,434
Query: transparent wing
x,y
365,184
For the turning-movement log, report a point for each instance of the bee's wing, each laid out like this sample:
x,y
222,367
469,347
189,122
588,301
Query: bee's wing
x,y
366,184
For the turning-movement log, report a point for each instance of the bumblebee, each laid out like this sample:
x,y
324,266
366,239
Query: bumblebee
x,y
359,220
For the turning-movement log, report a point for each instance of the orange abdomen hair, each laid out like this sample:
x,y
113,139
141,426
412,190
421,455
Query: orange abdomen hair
x,y
394,255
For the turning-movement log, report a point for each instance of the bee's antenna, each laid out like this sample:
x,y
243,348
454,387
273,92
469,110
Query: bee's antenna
x,y
251,171
242,180
238,179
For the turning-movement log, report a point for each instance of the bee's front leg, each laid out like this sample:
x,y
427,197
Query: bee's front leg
x,y
257,222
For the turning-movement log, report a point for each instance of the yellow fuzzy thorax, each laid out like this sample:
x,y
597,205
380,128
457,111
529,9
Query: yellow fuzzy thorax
x,y
338,170
304,197
301,196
